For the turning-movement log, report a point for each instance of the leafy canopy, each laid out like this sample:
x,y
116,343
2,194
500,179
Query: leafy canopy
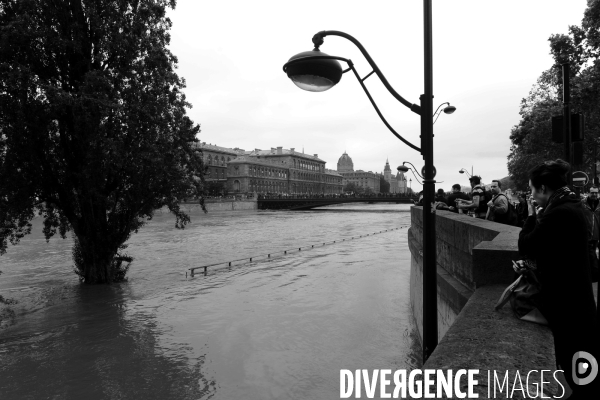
x,y
93,128
531,138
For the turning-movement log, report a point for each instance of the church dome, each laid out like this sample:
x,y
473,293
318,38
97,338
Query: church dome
x,y
345,163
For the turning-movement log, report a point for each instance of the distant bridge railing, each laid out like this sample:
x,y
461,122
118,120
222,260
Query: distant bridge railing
x,y
306,202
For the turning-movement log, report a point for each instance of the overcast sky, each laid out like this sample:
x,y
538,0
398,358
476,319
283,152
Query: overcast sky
x,y
486,57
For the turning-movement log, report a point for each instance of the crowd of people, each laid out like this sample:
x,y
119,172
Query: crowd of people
x,y
560,234
490,204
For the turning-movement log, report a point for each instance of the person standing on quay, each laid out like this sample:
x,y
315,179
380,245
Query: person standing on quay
x,y
456,194
498,205
557,239
591,205
477,206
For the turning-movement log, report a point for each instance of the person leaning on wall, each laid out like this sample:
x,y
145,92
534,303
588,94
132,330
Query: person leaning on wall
x,y
557,239
591,206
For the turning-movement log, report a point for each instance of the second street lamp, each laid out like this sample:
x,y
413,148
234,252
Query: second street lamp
x,y
316,71
464,171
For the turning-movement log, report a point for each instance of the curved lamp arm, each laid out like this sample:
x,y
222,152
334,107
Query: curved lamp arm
x,y
438,111
361,81
413,168
462,170
440,106
318,41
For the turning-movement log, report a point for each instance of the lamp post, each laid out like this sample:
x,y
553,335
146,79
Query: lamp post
x,y
316,71
464,171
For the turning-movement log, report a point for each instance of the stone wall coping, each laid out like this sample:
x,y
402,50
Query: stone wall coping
x,y
489,340
491,245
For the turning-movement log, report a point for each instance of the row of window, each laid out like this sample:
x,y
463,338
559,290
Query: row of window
x,y
215,173
301,164
260,186
261,171
210,160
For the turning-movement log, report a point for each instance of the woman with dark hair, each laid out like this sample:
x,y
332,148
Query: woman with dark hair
x,y
556,238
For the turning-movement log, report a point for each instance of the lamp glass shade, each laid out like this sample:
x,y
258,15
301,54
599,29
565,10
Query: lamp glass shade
x,y
402,168
312,83
461,172
449,109
310,72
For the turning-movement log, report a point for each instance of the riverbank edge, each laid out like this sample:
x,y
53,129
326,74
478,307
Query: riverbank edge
x,y
474,265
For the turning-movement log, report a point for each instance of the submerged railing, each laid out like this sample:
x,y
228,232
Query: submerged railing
x,y
285,252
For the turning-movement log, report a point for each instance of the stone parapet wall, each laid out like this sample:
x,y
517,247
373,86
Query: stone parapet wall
x,y
473,268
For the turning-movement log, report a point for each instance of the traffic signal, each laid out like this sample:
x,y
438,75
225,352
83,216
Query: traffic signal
x,y
577,125
578,153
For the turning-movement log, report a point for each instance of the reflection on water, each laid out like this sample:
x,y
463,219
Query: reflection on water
x,y
279,329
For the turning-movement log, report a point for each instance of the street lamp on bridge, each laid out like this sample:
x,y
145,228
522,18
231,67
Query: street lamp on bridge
x,y
464,171
316,71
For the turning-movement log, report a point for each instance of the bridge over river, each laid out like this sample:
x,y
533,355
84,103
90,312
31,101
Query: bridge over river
x,y
306,203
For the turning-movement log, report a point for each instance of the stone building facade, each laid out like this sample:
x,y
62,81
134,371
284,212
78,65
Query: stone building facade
x,y
366,179
397,182
216,158
281,171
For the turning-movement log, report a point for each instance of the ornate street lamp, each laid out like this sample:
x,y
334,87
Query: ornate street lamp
x,y
316,71
464,171
413,169
405,169
447,110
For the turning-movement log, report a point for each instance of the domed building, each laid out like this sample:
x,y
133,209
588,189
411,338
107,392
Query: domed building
x,y
345,163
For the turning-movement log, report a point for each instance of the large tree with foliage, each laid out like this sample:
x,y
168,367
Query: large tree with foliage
x,y
531,138
354,188
94,135
384,186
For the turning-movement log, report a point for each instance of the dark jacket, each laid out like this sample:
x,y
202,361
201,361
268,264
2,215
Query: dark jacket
x,y
452,199
592,216
521,211
441,199
557,240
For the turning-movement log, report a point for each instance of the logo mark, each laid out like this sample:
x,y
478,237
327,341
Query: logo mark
x,y
584,368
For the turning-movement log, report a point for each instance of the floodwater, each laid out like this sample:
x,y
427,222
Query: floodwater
x,y
268,329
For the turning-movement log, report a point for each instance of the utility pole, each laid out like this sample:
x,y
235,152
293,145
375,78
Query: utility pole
x,y
595,181
567,121
430,324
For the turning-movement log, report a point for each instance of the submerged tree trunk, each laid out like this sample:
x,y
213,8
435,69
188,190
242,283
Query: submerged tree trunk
x,y
96,248
98,262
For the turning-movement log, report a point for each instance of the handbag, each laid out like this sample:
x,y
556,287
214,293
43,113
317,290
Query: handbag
x,y
523,294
